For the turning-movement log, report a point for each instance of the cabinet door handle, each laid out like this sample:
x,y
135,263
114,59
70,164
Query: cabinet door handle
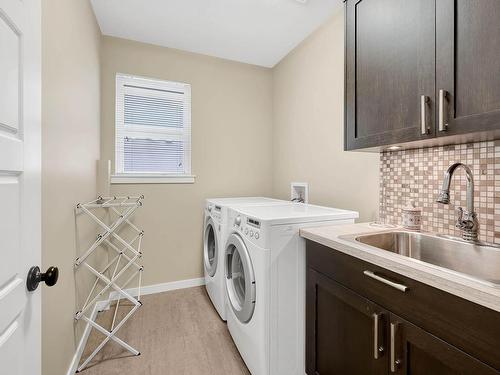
x,y
424,99
395,362
378,348
400,287
442,121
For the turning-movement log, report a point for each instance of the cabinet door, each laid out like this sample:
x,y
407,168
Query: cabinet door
x,y
346,333
468,65
417,352
390,66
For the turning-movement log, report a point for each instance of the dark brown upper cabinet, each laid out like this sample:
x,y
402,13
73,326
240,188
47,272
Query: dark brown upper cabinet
x,y
390,66
420,70
468,66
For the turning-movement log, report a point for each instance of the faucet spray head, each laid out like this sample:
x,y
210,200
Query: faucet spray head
x,y
444,197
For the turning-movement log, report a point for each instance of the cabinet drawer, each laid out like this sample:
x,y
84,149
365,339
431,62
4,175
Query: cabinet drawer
x,y
470,327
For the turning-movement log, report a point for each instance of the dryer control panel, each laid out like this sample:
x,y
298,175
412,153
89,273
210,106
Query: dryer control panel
x,y
214,211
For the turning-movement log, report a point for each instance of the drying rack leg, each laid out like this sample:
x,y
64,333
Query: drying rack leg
x,y
109,336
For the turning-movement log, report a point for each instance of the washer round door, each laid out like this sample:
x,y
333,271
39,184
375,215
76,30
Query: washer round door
x,y
240,278
210,248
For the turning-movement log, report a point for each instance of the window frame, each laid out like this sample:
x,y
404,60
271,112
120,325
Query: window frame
x,y
130,84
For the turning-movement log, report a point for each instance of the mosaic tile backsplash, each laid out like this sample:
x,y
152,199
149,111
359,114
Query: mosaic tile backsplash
x,y
417,175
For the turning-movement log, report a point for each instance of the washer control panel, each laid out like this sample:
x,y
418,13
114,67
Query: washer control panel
x,y
248,227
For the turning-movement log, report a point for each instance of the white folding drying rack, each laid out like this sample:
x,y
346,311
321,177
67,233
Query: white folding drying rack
x,y
125,256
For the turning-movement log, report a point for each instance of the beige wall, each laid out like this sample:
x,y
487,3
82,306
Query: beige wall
x,y
308,127
231,141
70,148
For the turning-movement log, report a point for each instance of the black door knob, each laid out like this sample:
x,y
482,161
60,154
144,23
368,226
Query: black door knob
x,y
35,277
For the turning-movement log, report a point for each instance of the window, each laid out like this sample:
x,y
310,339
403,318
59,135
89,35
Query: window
x,y
153,130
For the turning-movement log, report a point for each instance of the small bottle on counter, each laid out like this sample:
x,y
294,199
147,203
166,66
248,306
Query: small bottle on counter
x,y
412,217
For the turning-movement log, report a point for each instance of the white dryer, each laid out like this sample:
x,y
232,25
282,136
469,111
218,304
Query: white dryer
x,y
214,238
265,272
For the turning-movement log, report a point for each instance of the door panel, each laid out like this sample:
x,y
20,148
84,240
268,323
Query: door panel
x,y
341,330
10,342
20,349
9,74
9,231
420,353
390,64
468,64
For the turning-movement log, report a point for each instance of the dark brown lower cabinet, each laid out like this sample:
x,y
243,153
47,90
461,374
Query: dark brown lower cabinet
x,y
344,325
347,333
417,352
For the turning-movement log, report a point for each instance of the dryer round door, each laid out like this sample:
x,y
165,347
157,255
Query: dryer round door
x,y
210,248
240,278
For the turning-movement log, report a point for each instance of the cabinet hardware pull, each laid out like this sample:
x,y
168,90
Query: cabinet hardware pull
x,y
424,99
395,363
443,126
400,287
378,349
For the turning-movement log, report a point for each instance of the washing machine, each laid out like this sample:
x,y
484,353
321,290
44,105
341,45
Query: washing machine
x,y
265,277
214,238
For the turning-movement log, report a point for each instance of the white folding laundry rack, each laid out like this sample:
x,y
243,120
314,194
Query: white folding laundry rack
x,y
124,258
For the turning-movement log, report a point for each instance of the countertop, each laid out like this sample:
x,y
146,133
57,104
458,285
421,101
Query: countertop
x,y
449,281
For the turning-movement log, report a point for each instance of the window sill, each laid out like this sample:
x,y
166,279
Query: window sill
x,y
152,179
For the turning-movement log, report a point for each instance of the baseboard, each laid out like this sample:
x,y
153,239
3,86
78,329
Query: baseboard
x,y
104,305
160,288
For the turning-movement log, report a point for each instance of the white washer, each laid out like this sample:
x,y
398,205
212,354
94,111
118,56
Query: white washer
x,y
265,272
214,238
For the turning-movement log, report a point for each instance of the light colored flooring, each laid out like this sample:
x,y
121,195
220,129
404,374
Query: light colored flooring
x,y
177,332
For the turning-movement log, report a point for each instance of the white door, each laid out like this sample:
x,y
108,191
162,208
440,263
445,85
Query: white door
x,y
20,92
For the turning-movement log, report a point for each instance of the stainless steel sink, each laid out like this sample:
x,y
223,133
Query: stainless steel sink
x,y
477,260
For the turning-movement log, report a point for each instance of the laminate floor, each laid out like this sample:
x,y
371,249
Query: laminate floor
x,y
177,332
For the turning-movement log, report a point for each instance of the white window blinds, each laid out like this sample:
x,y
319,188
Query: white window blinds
x,y
153,127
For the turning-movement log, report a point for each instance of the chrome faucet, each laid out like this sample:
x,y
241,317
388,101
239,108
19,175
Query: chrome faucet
x,y
466,219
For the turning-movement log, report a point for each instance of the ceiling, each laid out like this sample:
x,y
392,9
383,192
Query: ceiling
x,y
259,32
